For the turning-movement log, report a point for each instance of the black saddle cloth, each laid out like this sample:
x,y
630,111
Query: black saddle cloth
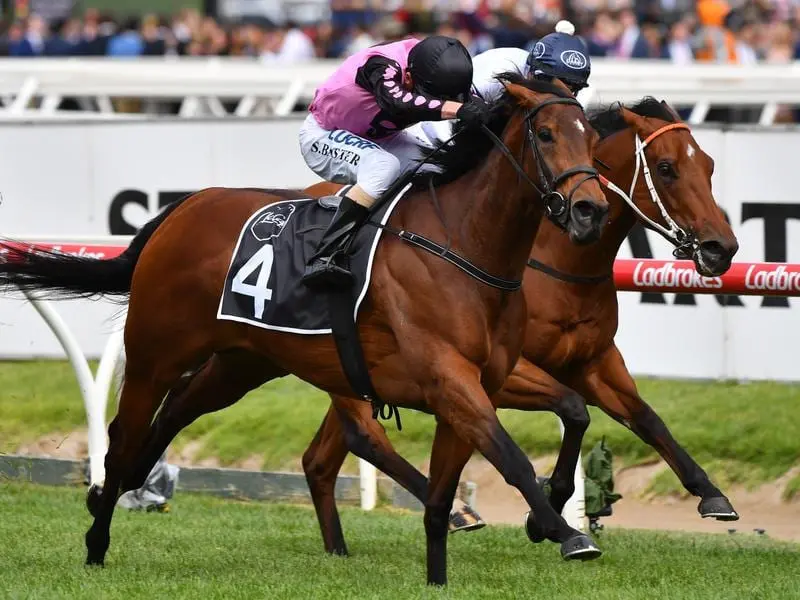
x,y
263,286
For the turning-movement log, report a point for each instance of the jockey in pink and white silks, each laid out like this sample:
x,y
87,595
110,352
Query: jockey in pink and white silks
x,y
560,55
355,134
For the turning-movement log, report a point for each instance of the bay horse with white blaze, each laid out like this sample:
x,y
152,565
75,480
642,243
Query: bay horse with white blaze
x,y
571,323
434,338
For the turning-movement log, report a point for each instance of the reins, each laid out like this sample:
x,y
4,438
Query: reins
x,y
673,233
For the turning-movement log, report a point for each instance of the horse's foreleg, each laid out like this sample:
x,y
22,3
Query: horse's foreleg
x,y
449,455
531,389
456,395
609,385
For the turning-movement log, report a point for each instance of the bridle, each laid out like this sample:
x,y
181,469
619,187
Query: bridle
x,y
686,245
555,203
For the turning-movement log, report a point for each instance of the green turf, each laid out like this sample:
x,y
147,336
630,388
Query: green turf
x,y
209,548
792,489
729,428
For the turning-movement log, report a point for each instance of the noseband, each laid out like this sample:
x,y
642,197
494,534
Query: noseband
x,y
555,203
686,245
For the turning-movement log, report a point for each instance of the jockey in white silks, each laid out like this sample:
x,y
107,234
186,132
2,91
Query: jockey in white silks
x,y
355,130
560,55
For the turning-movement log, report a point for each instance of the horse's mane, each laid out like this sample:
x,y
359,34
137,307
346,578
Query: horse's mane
x,y
472,146
607,120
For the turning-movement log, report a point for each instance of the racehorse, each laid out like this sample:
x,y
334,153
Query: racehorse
x,y
569,356
434,338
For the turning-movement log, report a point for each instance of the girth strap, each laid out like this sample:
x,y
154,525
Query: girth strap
x,y
341,308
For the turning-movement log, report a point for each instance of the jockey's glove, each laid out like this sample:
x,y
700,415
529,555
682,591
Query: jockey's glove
x,y
474,112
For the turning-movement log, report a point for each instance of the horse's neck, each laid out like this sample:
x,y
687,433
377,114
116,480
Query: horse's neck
x,y
496,216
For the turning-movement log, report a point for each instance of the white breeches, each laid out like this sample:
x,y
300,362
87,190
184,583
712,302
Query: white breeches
x,y
343,157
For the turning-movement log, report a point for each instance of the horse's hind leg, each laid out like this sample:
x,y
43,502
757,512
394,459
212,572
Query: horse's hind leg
x,y
220,382
322,461
531,389
140,398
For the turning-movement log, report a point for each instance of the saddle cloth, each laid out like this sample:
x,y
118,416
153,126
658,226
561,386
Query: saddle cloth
x,y
263,285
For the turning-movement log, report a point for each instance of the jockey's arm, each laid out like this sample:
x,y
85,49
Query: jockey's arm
x,y
384,78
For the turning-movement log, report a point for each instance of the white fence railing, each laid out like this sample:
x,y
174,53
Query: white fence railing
x,y
245,87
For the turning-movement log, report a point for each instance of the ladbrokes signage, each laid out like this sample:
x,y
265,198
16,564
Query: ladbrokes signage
x,y
97,179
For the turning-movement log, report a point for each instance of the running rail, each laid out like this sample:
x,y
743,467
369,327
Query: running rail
x,y
630,275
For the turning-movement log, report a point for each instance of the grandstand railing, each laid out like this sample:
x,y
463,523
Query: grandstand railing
x,y
757,279
246,88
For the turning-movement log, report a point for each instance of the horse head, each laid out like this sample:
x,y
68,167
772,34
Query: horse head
x,y
670,185
548,123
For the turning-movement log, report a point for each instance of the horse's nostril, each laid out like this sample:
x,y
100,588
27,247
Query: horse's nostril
x,y
587,211
713,250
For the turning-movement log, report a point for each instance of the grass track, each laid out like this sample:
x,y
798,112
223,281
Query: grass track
x,y
728,427
209,548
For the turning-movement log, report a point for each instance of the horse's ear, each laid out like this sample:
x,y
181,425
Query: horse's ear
x,y
631,118
521,94
671,111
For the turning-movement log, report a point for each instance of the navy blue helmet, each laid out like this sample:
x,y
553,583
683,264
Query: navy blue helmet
x,y
563,56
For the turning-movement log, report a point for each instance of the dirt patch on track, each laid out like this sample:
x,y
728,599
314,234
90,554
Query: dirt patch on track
x,y
759,509
497,502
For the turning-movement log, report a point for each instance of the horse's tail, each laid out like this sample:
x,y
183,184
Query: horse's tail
x,y
76,276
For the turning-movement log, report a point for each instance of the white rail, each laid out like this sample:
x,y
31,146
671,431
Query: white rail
x,y
203,86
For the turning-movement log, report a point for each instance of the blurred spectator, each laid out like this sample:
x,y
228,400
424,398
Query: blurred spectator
x,y
287,44
128,42
631,36
650,43
603,35
717,43
67,39
679,47
154,43
32,42
362,39
744,31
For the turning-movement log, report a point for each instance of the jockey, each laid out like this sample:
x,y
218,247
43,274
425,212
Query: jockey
x,y
353,133
560,55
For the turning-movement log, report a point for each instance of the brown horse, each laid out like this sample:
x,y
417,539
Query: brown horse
x,y
569,339
569,356
434,338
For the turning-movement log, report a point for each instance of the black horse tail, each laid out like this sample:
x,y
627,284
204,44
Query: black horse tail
x,y
66,276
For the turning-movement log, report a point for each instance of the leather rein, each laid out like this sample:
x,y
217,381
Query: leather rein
x,y
685,244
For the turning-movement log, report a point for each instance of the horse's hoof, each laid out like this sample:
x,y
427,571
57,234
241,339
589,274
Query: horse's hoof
x,y
580,547
465,519
718,508
535,534
95,561
93,499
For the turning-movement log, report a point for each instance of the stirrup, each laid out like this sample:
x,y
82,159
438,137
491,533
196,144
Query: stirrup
x,y
324,273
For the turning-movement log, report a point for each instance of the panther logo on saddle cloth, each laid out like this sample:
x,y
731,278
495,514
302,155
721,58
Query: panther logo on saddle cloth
x,y
370,123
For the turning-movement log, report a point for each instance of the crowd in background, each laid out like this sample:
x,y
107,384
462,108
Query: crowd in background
x,y
681,31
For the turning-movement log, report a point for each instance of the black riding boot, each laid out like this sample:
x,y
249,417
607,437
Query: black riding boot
x,y
321,270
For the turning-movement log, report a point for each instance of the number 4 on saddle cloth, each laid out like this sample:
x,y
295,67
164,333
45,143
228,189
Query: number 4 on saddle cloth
x,y
264,285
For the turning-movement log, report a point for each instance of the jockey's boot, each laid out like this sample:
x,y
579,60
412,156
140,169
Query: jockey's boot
x,y
321,270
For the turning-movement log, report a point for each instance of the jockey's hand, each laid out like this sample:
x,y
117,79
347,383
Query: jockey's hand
x,y
474,112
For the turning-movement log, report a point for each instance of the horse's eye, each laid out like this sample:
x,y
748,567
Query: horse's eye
x,y
665,169
545,134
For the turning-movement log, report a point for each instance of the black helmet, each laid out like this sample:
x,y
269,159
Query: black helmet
x,y
441,67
